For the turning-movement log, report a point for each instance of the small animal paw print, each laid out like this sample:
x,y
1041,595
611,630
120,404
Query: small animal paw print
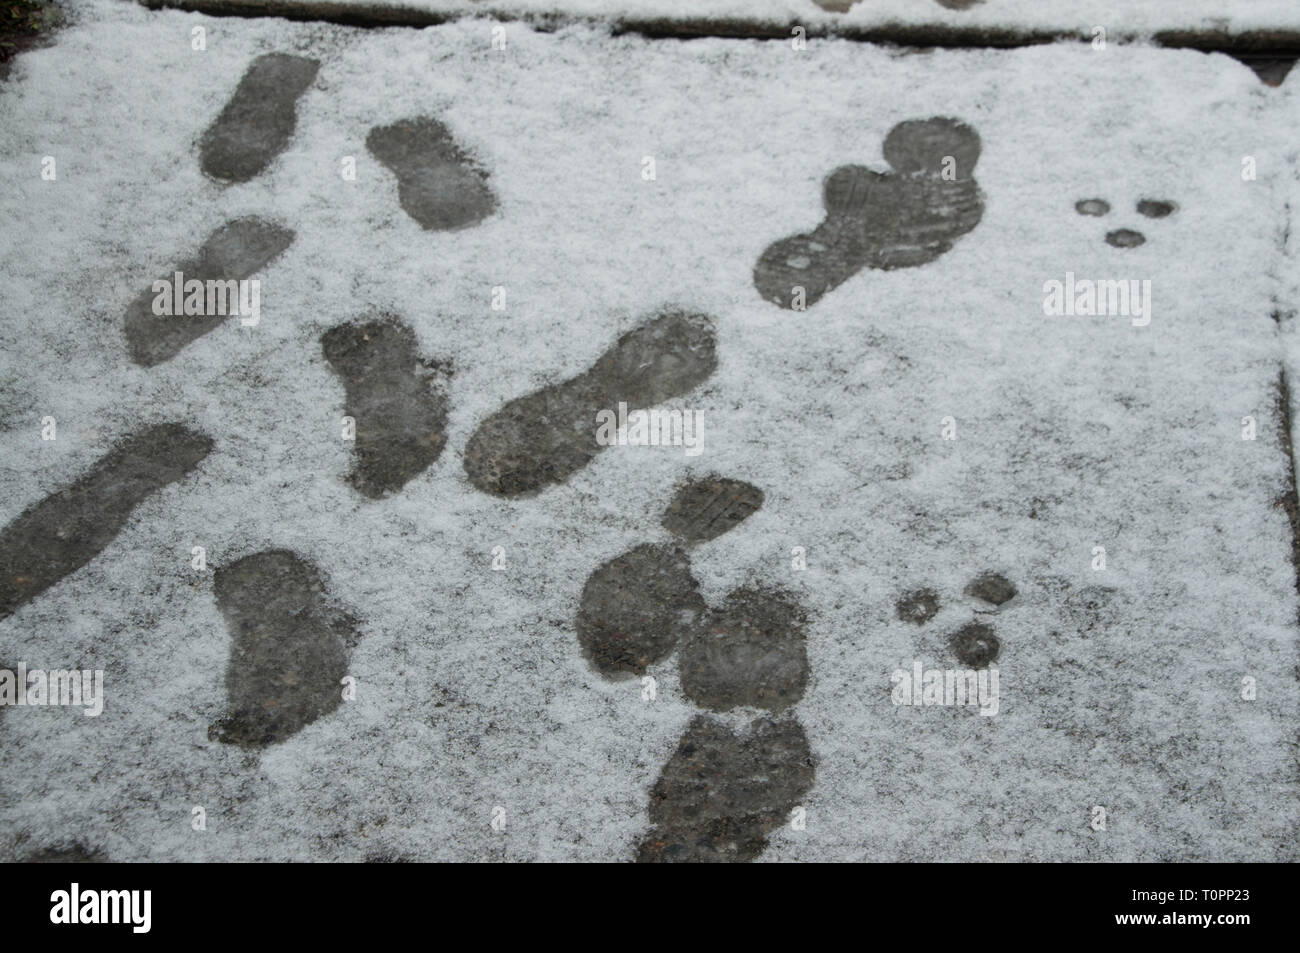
x,y
1126,237
975,645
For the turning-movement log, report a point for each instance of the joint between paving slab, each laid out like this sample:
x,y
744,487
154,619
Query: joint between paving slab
x,y
1261,44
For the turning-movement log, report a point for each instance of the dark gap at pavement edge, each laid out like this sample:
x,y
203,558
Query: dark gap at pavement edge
x,y
1290,499
1254,45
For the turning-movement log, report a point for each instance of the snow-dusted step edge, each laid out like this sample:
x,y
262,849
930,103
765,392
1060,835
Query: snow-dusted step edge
x,y
1245,23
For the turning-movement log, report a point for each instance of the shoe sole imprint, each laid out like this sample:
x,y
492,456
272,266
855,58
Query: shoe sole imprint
x,y
289,650
899,219
66,530
722,793
234,252
545,437
258,120
438,185
401,423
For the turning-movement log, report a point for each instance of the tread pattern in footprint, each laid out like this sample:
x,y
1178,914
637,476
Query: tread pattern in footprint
x,y
897,219
722,792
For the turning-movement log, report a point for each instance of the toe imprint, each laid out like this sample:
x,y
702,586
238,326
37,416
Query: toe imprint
x,y
259,119
1125,238
547,436
1154,208
233,252
68,529
919,606
437,184
289,651
400,423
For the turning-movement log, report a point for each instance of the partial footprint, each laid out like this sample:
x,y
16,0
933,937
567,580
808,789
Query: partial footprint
x,y
233,252
750,653
722,793
400,422
897,219
437,183
547,436
57,536
74,853
256,124
705,509
289,651
636,607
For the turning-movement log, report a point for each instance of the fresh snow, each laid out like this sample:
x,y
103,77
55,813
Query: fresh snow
x,y
1119,688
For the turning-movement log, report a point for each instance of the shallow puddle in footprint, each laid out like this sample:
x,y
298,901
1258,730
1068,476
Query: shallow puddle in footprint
x,y
636,607
750,653
69,528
